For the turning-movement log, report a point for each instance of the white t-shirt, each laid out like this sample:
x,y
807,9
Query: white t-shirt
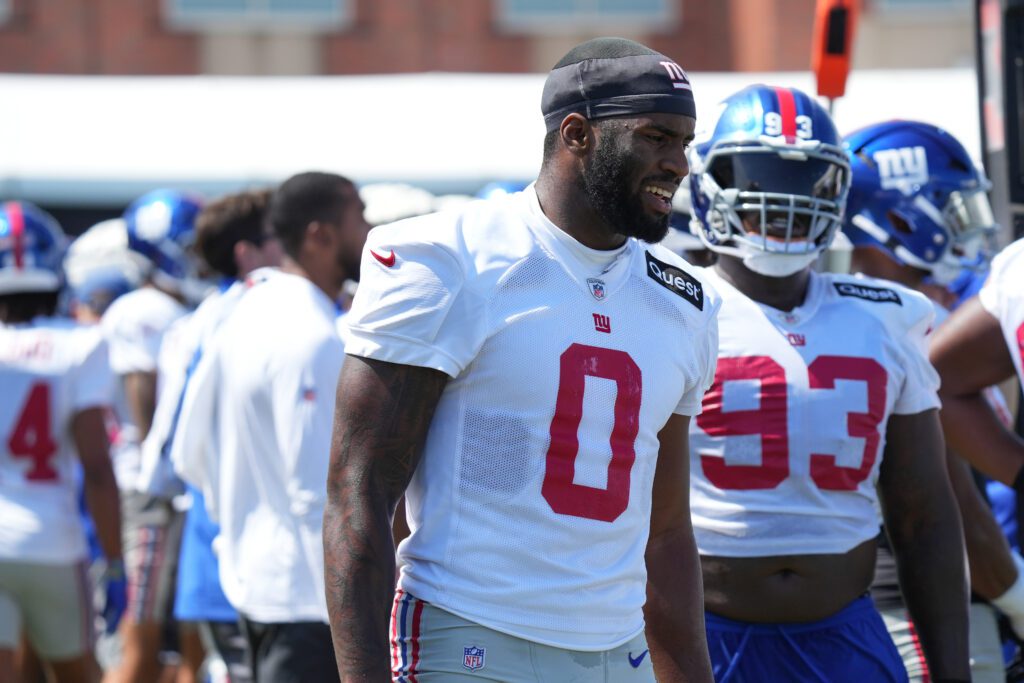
x,y
134,327
50,370
530,507
254,434
786,454
180,353
1003,297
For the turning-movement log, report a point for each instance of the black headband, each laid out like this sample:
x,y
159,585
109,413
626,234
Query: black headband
x,y
617,86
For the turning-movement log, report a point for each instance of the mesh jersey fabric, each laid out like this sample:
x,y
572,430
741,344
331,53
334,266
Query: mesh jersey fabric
x,y
786,454
50,370
530,506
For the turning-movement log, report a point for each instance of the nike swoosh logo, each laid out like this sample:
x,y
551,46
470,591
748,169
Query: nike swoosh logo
x,y
635,663
388,260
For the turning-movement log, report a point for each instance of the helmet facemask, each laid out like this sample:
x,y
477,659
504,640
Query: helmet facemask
x,y
775,203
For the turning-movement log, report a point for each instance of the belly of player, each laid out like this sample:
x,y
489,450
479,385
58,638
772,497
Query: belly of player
x,y
786,588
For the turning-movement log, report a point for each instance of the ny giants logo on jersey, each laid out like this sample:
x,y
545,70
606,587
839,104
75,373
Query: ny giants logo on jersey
x,y
676,280
602,323
473,657
879,294
679,79
902,168
796,339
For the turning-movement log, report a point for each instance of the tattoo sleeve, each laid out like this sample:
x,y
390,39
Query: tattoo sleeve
x,y
382,415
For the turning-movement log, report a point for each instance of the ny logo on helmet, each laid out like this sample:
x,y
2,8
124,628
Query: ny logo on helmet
x,y
677,75
902,168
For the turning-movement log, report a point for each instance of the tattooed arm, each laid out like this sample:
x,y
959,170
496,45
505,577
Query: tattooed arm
x,y
382,414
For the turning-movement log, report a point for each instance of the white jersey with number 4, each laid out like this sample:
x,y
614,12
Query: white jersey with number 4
x,y
1003,297
530,507
786,455
50,370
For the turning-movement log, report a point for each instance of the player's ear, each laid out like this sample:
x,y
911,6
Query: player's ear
x,y
577,134
319,234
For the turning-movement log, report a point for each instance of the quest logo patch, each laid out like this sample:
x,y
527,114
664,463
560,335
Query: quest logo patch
x,y
676,280
879,294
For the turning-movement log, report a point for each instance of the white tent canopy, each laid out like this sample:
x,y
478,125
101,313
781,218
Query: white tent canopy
x,y
103,140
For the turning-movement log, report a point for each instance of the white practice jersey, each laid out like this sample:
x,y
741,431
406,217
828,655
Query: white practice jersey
x,y
1003,297
134,327
50,370
262,398
530,508
786,455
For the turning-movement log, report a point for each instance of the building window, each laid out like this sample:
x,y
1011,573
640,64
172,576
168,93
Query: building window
x,y
557,15
257,14
5,11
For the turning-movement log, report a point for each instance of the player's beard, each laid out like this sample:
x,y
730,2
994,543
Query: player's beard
x,y
609,182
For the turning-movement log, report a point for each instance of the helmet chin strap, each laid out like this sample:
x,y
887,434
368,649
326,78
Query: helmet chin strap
x,y
777,265
765,263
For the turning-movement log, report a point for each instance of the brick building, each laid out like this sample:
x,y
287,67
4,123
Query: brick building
x,y
305,37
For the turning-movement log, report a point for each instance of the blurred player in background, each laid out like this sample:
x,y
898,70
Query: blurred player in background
x,y
160,228
255,426
56,383
917,211
234,238
823,408
99,267
979,346
527,366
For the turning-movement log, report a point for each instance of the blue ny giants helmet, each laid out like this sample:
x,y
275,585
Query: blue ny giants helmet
x,y
769,179
918,196
31,249
161,227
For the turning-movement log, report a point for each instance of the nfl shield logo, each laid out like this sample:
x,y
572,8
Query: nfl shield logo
x,y
596,288
473,657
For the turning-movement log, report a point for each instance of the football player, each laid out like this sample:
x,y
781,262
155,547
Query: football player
x,y
234,238
56,385
527,366
99,267
261,399
917,211
160,228
980,345
823,411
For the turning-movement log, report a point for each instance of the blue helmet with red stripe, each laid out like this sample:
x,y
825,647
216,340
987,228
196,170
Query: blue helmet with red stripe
x,y
769,179
918,196
31,249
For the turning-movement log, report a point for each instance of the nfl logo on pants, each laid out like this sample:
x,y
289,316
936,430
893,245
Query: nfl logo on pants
x,y
473,657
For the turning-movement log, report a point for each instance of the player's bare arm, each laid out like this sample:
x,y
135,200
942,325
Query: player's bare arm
x,y
382,414
101,494
924,529
674,611
990,559
140,390
970,354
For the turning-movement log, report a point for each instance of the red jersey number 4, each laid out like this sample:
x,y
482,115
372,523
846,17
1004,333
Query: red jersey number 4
x,y
31,437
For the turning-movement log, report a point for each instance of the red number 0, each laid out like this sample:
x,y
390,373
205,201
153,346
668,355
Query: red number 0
x,y
31,437
769,421
563,495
